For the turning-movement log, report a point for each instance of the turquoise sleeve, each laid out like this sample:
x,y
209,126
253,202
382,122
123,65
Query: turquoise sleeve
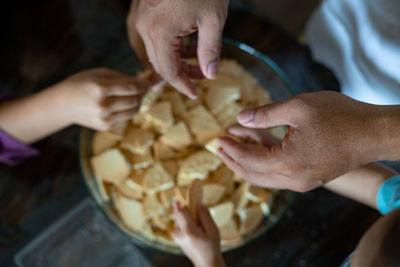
x,y
388,197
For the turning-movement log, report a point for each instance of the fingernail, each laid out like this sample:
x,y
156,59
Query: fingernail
x,y
193,95
212,70
246,116
193,91
175,205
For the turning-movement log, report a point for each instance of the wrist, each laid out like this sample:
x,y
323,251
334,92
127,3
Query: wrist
x,y
57,98
388,124
217,261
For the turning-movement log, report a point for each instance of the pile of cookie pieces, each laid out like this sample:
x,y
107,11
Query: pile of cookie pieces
x,y
167,153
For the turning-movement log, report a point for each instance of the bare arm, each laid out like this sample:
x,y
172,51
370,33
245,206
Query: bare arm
x,y
97,98
33,117
361,184
328,135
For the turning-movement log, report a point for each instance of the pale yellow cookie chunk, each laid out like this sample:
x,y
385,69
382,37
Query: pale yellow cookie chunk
x,y
103,141
212,193
167,197
162,151
152,206
228,116
231,68
157,179
178,136
111,166
224,176
175,98
203,124
130,211
160,115
141,161
149,99
220,96
256,194
137,140
239,198
250,218
230,231
198,165
171,166
131,192
222,213
262,96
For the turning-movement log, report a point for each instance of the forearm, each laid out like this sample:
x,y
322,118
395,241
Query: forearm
x,y
387,126
361,184
217,262
34,117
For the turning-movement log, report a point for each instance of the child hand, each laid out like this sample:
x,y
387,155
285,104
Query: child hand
x,y
200,242
101,98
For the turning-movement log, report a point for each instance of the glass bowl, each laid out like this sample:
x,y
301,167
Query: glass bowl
x,y
269,76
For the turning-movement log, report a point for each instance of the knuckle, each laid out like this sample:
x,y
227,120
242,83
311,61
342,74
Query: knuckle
x,y
298,101
100,109
291,170
105,124
299,104
264,112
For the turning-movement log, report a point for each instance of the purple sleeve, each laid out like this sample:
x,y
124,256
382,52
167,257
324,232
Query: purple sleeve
x,y
12,151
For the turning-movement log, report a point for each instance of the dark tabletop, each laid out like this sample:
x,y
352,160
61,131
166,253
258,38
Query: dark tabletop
x,y
44,41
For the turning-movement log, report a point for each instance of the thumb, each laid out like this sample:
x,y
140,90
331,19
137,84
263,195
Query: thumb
x,y
209,46
135,40
268,116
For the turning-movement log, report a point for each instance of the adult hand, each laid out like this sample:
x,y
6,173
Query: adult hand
x,y
100,98
162,25
328,134
200,242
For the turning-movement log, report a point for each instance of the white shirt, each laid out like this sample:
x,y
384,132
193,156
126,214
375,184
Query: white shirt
x,y
359,40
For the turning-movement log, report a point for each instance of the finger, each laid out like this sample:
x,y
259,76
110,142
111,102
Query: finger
x,y
168,64
235,150
121,116
252,157
256,135
209,45
194,72
188,51
121,103
183,220
231,164
268,180
134,37
245,133
206,221
268,116
158,86
125,88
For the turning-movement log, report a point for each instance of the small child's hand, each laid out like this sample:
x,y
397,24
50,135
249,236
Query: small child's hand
x,y
101,98
200,242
